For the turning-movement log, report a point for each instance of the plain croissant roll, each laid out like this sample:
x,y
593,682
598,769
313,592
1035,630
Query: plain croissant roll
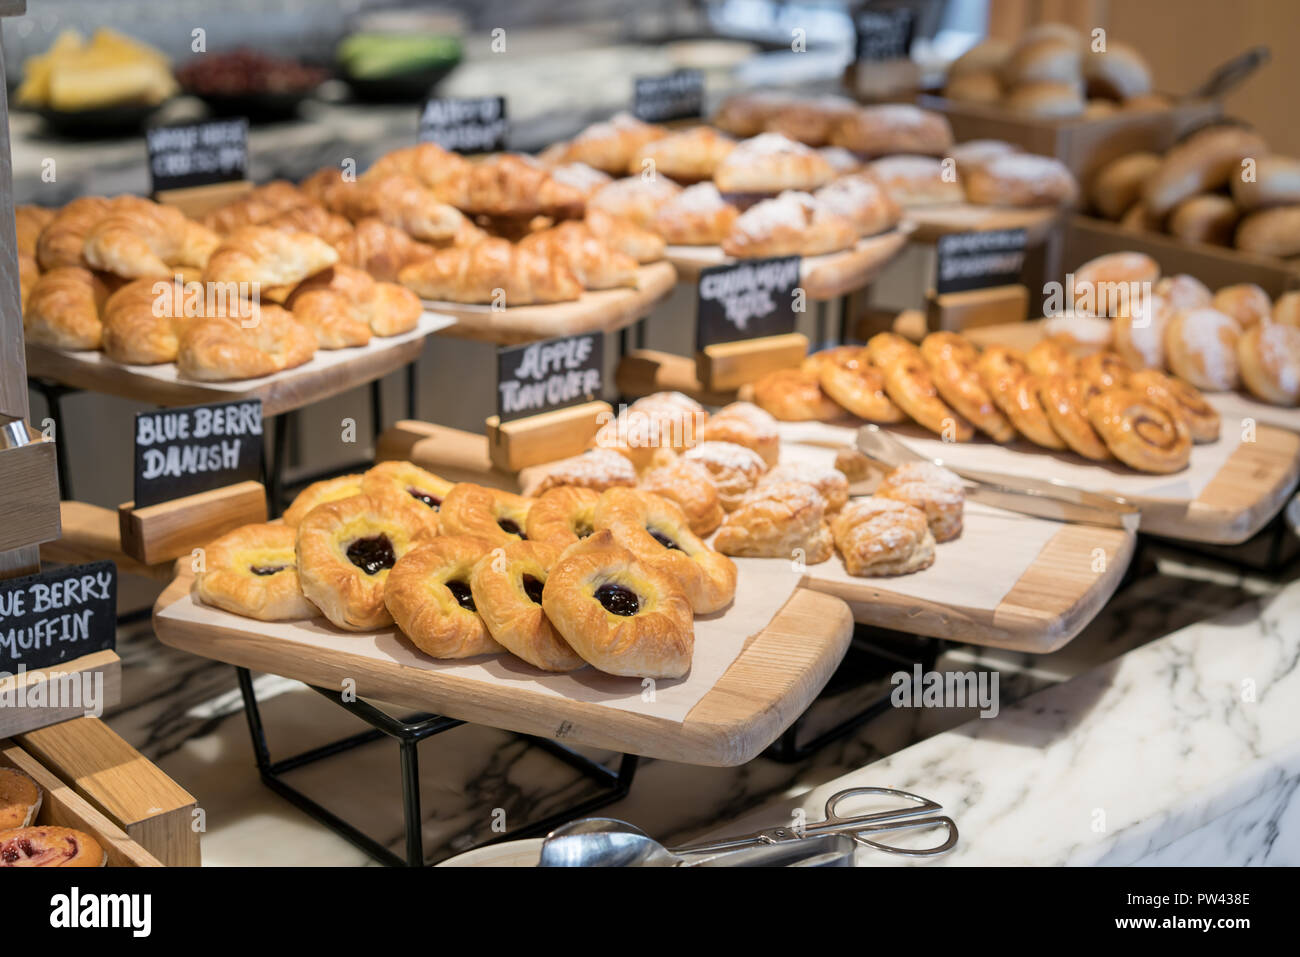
x,y
479,273
268,258
384,251
594,264
142,238
63,309
401,201
219,349
256,206
61,241
508,185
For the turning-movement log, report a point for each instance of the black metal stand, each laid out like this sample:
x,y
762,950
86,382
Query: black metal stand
x,y
409,732
1280,546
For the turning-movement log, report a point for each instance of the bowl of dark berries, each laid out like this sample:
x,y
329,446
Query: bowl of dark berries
x,y
250,83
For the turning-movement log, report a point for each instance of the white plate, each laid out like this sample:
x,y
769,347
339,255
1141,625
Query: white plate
x,y
524,853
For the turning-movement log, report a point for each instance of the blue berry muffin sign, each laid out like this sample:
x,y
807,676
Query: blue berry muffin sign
x,y
55,616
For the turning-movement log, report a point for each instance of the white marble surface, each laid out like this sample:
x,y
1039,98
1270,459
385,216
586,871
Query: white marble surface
x,y
1184,751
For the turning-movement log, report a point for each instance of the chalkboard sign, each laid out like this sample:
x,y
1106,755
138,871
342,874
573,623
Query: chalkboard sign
x,y
979,260
554,374
883,34
746,299
673,96
182,452
56,616
198,154
473,125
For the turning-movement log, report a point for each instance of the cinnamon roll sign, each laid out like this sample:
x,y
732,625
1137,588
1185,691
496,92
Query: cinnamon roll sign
x,y
196,449
979,260
56,616
554,374
197,154
674,96
747,299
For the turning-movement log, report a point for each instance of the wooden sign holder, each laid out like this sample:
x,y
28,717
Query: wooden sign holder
x,y
456,455
729,365
168,530
196,201
545,437
972,308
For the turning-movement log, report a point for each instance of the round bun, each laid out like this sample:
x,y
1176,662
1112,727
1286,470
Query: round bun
x,y
1044,58
1271,232
253,571
1245,302
1079,334
1276,182
1046,99
984,56
1119,72
893,128
1108,284
1182,292
1270,362
1202,163
976,87
1201,347
346,549
656,531
1206,218
1021,179
621,615
1118,184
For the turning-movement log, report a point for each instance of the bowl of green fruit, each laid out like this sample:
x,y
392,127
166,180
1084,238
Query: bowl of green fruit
x,y
390,66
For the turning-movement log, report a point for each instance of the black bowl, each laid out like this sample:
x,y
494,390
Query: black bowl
x,y
100,122
410,87
257,107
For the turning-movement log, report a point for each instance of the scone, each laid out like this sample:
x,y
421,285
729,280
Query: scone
x,y
778,520
936,491
733,469
881,536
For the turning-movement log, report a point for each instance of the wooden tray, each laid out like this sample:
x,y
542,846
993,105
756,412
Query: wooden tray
x,y
931,222
604,310
776,677
823,277
282,392
63,807
1051,603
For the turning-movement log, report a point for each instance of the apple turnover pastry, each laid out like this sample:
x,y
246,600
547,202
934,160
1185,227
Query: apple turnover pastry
x,y
778,520
882,536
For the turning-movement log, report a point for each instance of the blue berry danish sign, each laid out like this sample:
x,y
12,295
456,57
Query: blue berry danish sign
x,y
554,374
966,261
471,125
197,154
746,299
883,34
672,96
56,616
181,452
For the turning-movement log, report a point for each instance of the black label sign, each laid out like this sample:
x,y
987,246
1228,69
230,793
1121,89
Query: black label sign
x,y
56,616
198,154
475,125
182,452
746,299
884,34
549,375
979,260
673,96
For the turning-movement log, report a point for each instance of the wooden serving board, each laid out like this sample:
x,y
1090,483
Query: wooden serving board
x,y
327,374
772,682
604,310
822,277
931,222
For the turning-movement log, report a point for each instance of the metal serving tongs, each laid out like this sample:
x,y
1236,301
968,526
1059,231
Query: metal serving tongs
x,y
603,842
1042,497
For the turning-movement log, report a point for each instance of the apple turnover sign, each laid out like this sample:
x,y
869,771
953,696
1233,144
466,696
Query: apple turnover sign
x,y
549,375
182,452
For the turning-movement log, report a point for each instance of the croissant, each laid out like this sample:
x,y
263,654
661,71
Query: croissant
x,y
63,309
220,349
595,264
144,320
28,223
319,221
400,201
384,251
686,157
28,275
61,241
139,237
268,258
328,187
427,162
622,234
610,145
343,306
508,185
489,272
256,206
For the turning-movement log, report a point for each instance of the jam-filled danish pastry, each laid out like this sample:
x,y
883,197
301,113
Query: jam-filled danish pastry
x,y
562,516
253,571
622,615
429,595
500,517
46,846
406,478
20,799
655,530
1140,432
346,550
318,493
508,584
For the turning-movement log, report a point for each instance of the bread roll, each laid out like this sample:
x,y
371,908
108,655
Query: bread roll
x,y
1200,164
1120,72
915,180
984,57
1138,219
1276,182
974,88
1049,98
1045,59
1118,184
1245,302
1022,179
1272,232
1207,218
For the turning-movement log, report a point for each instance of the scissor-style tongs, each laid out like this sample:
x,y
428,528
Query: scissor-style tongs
x,y
860,827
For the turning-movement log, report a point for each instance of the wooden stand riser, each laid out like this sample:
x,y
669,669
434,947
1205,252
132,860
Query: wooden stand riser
x,y
197,201
729,365
958,311
646,371
536,439
168,530
29,507
456,455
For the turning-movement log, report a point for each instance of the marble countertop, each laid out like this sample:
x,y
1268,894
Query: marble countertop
x,y
1183,751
